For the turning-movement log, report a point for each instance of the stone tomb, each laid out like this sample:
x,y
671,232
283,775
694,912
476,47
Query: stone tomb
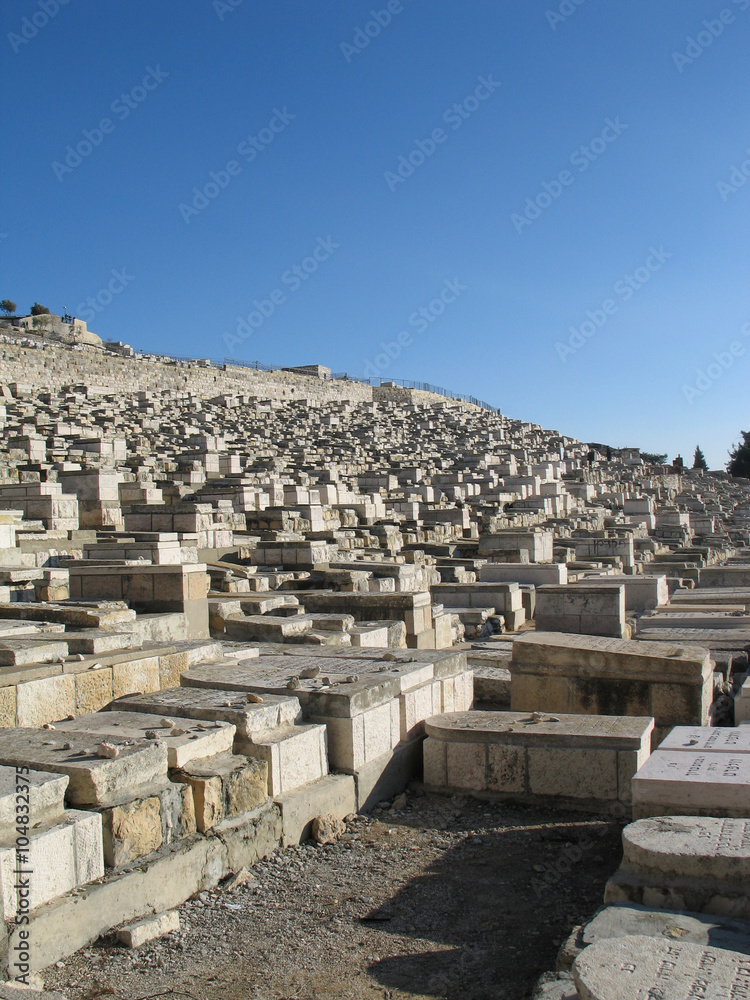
x,y
368,705
586,762
268,730
692,863
742,703
216,706
373,707
186,740
141,809
65,845
361,713
93,780
675,782
641,968
556,672
578,608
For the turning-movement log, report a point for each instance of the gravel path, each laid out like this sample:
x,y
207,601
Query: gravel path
x,y
433,897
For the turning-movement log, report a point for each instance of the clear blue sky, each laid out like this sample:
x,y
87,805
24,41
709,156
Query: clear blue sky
x,y
316,124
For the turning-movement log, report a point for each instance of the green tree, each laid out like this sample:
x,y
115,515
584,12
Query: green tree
x,y
8,307
650,458
37,310
699,459
739,457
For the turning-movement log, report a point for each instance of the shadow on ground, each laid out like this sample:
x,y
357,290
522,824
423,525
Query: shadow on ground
x,y
497,906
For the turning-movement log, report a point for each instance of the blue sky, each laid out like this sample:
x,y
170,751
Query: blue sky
x,y
531,202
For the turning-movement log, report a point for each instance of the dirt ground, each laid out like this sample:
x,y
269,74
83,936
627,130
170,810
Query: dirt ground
x,y
437,897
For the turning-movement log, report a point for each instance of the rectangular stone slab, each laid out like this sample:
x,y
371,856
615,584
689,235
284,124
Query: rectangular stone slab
x,y
445,662
212,706
670,619
14,630
712,638
19,652
523,729
110,614
94,780
62,856
195,742
711,595
555,652
43,791
97,641
340,697
715,739
697,783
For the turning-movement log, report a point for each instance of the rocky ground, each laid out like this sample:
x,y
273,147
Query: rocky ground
x,y
432,896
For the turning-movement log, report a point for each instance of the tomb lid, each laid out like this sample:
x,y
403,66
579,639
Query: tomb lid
x,y
542,729
648,968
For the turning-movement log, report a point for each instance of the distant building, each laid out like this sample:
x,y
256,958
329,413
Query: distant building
x,y
56,328
627,456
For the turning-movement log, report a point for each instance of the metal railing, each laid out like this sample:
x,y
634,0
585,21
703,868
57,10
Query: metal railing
x,y
406,383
